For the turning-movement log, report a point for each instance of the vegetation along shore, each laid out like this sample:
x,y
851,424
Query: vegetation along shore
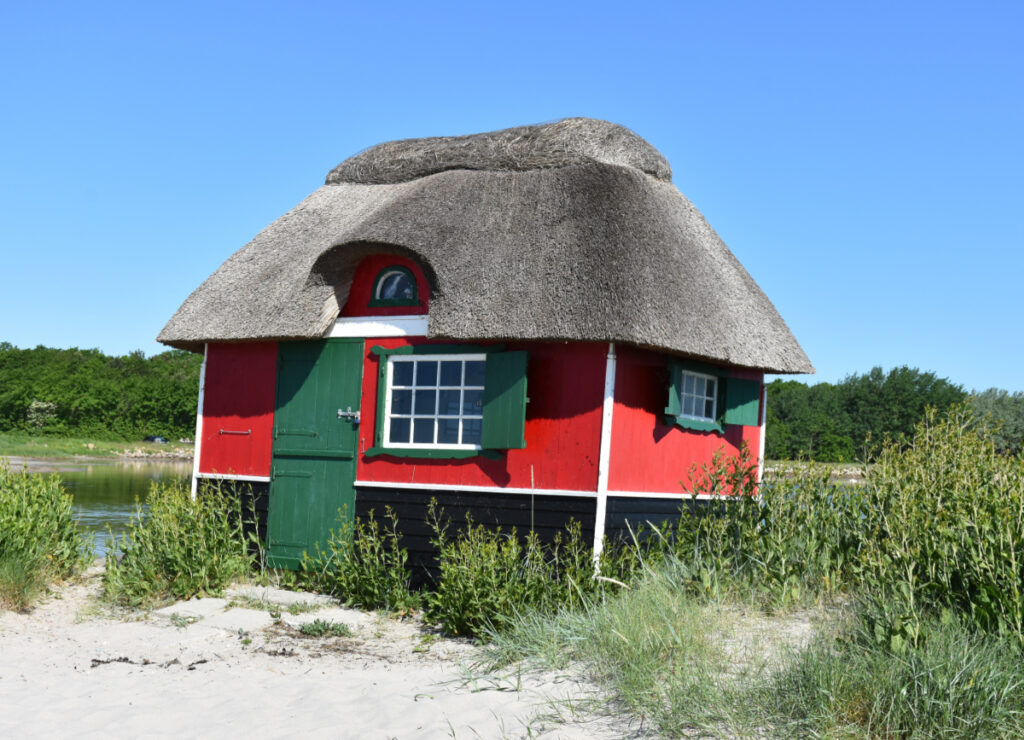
x,y
892,608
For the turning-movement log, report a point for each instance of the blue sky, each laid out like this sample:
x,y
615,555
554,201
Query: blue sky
x,y
865,162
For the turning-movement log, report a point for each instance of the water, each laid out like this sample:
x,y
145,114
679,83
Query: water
x,y
105,494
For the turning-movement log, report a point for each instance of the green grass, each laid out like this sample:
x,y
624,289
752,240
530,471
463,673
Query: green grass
x,y
959,683
20,444
930,549
39,542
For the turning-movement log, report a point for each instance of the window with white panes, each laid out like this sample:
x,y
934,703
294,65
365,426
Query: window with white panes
x,y
698,398
434,401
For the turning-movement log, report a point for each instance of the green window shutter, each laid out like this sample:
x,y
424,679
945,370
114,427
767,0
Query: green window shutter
x,y
504,425
742,401
675,376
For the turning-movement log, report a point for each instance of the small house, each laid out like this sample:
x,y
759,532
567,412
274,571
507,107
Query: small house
x,y
532,325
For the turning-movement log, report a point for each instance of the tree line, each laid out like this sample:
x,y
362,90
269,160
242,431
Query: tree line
x,y
83,392
845,421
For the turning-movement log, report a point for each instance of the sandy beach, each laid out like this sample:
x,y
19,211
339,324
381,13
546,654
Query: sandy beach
x,y
239,666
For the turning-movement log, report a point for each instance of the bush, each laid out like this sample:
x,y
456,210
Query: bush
x,y
946,521
363,565
488,577
182,547
797,540
39,542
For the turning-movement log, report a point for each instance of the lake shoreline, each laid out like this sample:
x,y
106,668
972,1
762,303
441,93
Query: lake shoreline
x,y
78,463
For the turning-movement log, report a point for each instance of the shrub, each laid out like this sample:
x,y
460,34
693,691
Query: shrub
x,y
181,547
363,565
796,540
946,519
39,542
487,577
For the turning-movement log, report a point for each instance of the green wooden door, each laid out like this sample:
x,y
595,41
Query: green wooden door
x,y
315,443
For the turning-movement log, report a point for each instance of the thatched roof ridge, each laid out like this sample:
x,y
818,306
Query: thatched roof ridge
x,y
571,141
584,252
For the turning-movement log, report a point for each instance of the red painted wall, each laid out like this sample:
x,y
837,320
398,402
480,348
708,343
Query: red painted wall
x,y
647,454
565,385
241,380
361,290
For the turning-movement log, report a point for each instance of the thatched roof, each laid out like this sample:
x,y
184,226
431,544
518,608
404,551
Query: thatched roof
x,y
564,231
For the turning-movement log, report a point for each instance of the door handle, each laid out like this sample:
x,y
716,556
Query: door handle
x,y
348,413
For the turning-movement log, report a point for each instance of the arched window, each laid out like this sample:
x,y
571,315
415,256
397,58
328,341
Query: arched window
x,y
395,286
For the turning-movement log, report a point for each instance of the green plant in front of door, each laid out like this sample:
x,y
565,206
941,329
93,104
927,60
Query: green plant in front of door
x,y
363,564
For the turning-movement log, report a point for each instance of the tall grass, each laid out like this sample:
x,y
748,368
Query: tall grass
x,y
945,519
796,541
39,542
653,646
181,547
928,551
960,683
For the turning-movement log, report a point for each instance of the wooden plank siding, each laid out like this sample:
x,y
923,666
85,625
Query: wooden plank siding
x,y
238,408
565,385
546,515
649,455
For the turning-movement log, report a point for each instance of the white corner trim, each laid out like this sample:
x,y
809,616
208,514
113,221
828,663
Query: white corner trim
x,y
379,326
197,447
764,425
605,451
471,489
232,476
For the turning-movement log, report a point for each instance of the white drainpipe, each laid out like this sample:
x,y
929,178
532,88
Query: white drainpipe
x,y
606,448
199,423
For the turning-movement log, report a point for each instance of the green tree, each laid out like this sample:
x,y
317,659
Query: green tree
x,y
1002,415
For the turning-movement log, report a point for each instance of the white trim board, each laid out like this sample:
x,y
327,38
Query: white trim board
x,y
604,454
197,446
378,326
230,476
681,496
472,489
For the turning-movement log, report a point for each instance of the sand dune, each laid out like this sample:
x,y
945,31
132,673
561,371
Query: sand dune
x,y
231,668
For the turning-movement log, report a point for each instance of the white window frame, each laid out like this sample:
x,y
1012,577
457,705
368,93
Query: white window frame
x,y
683,395
389,388
382,278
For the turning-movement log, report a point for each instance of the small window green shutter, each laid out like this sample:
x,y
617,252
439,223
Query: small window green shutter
x,y
674,408
504,426
742,401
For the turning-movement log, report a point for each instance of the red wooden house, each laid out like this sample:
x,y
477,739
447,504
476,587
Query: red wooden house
x,y
533,325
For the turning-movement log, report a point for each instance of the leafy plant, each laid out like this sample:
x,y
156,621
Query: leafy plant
x,y
363,565
181,547
39,542
488,576
325,628
946,533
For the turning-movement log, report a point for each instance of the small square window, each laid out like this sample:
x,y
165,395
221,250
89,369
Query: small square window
x,y
699,397
434,401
